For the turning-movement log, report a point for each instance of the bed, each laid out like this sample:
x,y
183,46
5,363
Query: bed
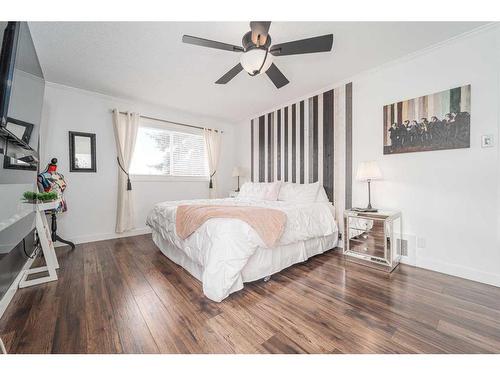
x,y
225,253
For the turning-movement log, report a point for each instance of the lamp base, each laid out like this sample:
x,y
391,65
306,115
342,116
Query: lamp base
x,y
366,209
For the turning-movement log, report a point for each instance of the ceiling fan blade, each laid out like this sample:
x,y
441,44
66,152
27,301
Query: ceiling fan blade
x,y
210,43
276,76
260,30
229,75
322,43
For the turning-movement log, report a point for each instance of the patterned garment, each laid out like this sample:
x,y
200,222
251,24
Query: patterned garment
x,y
54,182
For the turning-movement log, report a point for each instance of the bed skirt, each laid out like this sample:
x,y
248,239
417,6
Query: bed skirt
x,y
264,262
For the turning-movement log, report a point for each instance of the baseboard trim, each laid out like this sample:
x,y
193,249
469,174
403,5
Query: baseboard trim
x,y
105,236
459,271
433,265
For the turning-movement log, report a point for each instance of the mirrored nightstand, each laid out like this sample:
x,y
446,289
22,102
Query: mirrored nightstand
x,y
373,238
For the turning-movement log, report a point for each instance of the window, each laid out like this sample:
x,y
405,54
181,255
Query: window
x,y
169,150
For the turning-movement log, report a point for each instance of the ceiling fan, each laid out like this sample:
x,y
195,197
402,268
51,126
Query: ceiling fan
x,y
258,54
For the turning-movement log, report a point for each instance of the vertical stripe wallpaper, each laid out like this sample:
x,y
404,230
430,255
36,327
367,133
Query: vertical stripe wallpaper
x,y
262,149
348,146
315,150
301,142
278,146
294,143
309,141
328,143
270,148
252,150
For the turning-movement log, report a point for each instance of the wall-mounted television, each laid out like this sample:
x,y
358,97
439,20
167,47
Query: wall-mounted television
x,y
7,63
22,87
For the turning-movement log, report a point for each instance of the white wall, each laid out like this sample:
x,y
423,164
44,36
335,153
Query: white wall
x,y
91,197
450,199
243,142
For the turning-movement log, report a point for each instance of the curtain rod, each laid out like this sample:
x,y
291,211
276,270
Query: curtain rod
x,y
172,122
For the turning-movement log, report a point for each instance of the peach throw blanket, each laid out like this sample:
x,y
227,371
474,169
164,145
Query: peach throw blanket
x,y
267,222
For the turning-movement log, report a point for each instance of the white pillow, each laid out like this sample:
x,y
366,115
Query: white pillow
x,y
322,197
273,191
253,190
300,193
260,190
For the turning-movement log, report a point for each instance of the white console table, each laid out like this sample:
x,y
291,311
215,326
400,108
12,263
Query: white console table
x,y
44,234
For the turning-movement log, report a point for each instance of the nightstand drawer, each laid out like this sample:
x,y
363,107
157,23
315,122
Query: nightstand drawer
x,y
366,236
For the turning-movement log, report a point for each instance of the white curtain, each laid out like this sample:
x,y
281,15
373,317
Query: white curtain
x,y
125,127
212,142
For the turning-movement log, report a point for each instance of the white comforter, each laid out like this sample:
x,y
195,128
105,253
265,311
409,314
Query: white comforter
x,y
223,246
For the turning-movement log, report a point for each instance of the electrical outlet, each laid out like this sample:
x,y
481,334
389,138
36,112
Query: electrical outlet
x,y
340,236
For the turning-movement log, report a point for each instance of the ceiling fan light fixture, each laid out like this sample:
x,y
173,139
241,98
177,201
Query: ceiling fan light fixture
x,y
258,52
252,60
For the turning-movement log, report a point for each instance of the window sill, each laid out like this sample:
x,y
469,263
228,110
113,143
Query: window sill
x,y
150,178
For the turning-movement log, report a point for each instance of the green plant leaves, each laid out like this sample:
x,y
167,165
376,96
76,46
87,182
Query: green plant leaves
x,y
43,197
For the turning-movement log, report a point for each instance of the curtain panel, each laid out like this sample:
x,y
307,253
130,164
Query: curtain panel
x,y
125,127
213,143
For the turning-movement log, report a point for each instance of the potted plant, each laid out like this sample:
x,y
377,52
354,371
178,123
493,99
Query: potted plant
x,y
33,197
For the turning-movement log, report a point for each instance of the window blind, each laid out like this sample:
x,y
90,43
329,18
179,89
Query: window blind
x,y
169,152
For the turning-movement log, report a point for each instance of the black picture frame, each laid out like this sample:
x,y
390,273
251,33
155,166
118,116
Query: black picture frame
x,y
72,156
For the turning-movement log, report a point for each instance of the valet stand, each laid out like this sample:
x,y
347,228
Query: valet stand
x,y
47,245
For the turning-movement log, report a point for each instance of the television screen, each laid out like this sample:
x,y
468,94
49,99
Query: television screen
x,y
21,99
22,84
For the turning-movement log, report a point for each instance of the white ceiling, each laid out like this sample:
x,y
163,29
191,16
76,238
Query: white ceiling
x,y
147,61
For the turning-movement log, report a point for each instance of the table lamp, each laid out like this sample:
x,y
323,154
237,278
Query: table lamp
x,y
237,172
368,171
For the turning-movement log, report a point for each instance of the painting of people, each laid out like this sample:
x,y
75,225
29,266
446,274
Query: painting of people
x,y
438,121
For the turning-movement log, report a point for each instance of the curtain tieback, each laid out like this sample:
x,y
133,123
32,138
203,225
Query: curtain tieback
x,y
129,184
211,185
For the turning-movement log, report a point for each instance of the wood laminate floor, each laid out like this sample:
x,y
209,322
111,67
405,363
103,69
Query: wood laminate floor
x,y
124,296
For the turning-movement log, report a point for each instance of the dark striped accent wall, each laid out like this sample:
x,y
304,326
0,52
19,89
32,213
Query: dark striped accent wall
x,y
262,149
348,146
308,141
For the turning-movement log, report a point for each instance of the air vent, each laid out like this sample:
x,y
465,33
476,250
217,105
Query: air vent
x,y
402,247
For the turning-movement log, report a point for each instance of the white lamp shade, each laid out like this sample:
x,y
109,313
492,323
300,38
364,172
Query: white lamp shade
x,y
368,170
237,172
252,60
